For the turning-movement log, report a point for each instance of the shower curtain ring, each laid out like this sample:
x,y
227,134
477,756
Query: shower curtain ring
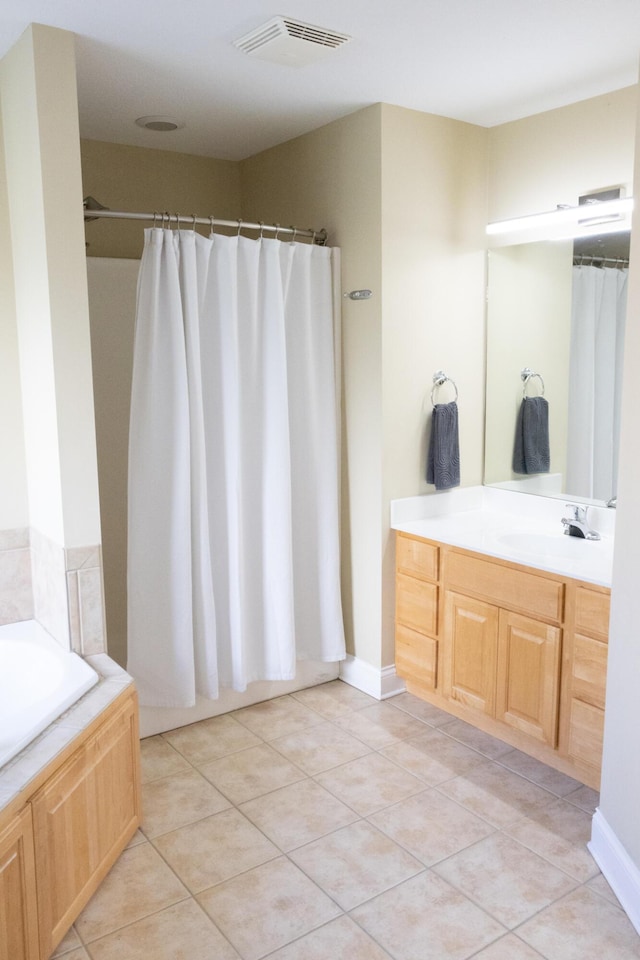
x,y
313,238
155,217
261,224
212,225
239,227
194,222
277,226
295,230
177,216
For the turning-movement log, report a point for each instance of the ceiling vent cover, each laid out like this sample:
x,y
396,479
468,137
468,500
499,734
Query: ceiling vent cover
x,y
290,42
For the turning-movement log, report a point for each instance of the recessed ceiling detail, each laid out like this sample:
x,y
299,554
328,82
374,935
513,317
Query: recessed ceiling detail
x,y
159,124
290,42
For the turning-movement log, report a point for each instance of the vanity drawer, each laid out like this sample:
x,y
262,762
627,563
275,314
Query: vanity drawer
x,y
416,557
586,733
416,656
592,613
417,604
505,586
589,670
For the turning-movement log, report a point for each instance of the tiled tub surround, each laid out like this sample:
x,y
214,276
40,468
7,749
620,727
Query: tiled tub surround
x,y
39,681
19,773
325,824
499,522
60,588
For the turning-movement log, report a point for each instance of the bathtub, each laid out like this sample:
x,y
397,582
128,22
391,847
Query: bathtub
x,y
38,681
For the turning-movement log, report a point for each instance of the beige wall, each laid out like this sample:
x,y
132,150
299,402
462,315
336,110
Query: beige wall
x,y
40,117
557,156
332,178
620,789
14,505
143,180
433,274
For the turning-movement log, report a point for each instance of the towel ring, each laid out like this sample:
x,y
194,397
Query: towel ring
x,y
438,379
526,375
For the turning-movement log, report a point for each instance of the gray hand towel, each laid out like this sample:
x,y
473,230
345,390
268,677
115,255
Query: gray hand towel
x,y
531,447
443,458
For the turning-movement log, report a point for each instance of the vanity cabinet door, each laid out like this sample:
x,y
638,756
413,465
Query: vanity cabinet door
x,y
469,652
18,907
83,817
528,678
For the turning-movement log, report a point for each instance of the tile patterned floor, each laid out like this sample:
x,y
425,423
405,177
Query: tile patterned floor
x,y
325,825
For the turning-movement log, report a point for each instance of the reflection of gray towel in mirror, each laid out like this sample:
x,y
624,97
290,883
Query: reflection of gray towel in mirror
x,y
443,458
531,447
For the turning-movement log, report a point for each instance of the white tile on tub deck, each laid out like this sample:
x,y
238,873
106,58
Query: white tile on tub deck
x,y
77,558
90,606
91,705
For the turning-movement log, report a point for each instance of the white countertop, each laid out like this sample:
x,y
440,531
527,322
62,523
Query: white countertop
x,y
517,527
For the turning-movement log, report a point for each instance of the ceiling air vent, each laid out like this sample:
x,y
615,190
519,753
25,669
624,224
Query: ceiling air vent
x,y
290,42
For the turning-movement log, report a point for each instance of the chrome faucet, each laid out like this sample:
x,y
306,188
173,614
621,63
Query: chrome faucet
x,y
576,525
613,502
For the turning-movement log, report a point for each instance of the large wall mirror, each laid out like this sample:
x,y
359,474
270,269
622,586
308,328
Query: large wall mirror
x,y
557,308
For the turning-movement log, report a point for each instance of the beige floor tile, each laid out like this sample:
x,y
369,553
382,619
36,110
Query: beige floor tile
x,y
70,941
505,879
509,948
600,886
495,794
138,885
78,954
370,783
175,801
420,709
431,827
298,814
334,699
215,849
277,718
340,939
552,780
251,773
434,757
380,725
582,925
559,832
158,759
181,931
426,918
210,739
478,740
356,863
320,748
284,905
585,798
137,838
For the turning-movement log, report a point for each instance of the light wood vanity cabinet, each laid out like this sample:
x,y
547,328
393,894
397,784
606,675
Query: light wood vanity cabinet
x,y
516,651
67,834
18,903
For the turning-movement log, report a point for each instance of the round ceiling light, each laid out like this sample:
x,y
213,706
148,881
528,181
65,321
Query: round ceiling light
x,y
160,124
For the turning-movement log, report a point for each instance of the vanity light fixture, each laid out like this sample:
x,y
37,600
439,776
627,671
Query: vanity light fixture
x,y
605,216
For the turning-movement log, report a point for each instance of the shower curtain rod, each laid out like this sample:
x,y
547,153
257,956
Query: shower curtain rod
x,y
168,219
586,259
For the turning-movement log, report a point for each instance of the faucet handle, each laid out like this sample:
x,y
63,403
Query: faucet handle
x,y
577,512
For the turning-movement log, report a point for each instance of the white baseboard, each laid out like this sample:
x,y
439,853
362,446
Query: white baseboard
x,y
622,874
378,683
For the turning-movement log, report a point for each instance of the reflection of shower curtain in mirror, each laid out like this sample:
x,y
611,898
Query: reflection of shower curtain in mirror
x,y
233,465
595,380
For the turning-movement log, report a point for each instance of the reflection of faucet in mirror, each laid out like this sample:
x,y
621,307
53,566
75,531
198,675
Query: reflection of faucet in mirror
x,y
576,525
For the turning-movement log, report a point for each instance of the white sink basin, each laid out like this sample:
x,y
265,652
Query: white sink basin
x,y
547,545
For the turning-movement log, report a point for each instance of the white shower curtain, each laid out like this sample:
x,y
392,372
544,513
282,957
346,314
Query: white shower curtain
x,y
233,550
595,380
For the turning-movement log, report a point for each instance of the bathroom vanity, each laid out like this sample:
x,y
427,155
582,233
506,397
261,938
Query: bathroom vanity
x,y
502,621
61,833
